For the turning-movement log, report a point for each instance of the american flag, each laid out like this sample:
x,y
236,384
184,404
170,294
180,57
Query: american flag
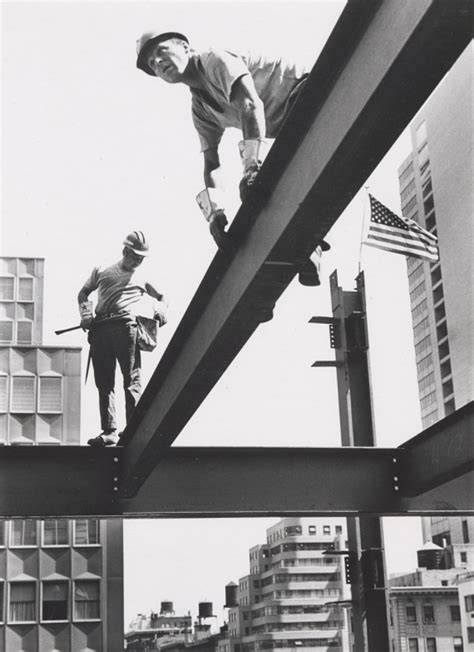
x,y
399,234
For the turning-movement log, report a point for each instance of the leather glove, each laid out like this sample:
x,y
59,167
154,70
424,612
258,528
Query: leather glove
x,y
252,152
85,312
210,201
159,312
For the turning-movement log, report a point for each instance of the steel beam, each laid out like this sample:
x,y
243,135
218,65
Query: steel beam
x,y
378,67
42,481
73,481
440,453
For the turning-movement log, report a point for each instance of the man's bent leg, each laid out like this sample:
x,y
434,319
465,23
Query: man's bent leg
x,y
104,363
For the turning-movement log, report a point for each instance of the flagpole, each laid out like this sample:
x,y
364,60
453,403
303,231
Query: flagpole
x,y
366,188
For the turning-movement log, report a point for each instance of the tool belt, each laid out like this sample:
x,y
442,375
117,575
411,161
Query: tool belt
x,y
147,329
121,314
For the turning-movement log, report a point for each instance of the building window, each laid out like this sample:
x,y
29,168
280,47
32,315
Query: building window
x,y
22,602
55,605
469,602
7,288
463,557
431,645
421,135
409,206
3,393
338,529
427,187
86,532
23,394
425,343
326,529
50,394
55,532
86,600
6,331
2,599
411,613
293,530
428,613
2,533
465,531
457,644
24,332
25,289
312,529
23,533
406,173
455,613
413,645
470,634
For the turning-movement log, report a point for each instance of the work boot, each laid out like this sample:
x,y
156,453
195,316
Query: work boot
x,y
109,438
309,273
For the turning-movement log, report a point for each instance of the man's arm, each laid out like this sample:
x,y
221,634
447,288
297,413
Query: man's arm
x,y
159,311
245,99
85,307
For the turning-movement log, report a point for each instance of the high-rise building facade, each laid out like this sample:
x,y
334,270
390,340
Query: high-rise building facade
x,y
292,597
61,581
437,191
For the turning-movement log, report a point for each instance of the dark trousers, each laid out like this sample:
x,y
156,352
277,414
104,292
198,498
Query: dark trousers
x,y
112,341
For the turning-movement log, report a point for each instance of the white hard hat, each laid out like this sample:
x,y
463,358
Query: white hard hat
x,y
147,40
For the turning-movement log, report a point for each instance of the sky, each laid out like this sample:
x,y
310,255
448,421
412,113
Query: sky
x,y
91,149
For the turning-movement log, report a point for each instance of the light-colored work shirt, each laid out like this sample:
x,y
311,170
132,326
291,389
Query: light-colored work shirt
x,y
118,289
274,79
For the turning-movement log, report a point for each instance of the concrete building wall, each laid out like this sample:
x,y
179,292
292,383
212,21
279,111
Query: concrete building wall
x,y
425,620
61,581
466,604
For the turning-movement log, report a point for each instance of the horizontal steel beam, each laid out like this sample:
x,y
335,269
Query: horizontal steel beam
x,y
439,454
378,67
46,481
429,474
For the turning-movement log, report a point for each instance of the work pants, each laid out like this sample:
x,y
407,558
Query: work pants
x,y
111,341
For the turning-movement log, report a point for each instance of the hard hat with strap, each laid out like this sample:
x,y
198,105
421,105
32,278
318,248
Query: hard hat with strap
x,y
147,41
137,242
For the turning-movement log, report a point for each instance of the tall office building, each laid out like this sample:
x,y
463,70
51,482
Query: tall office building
x,y
291,598
61,582
437,191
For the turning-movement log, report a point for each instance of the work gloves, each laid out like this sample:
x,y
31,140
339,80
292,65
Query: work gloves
x,y
85,312
252,152
210,201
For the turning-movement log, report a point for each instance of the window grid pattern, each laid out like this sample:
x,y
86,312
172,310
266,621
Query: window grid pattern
x,y
55,532
86,532
50,394
23,394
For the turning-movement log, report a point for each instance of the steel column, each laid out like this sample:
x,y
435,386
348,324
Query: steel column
x,y
368,587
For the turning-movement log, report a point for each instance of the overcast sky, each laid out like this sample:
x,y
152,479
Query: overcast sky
x,y
92,148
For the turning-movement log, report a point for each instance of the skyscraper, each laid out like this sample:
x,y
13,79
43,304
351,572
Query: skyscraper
x,y
61,581
436,190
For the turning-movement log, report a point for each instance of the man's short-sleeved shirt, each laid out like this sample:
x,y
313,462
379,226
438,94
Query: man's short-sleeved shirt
x,y
212,111
118,289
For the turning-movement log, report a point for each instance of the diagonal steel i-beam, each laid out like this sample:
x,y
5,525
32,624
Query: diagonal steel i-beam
x,y
378,67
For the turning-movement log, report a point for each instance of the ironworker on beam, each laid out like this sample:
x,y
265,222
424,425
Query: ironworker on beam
x,y
304,195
